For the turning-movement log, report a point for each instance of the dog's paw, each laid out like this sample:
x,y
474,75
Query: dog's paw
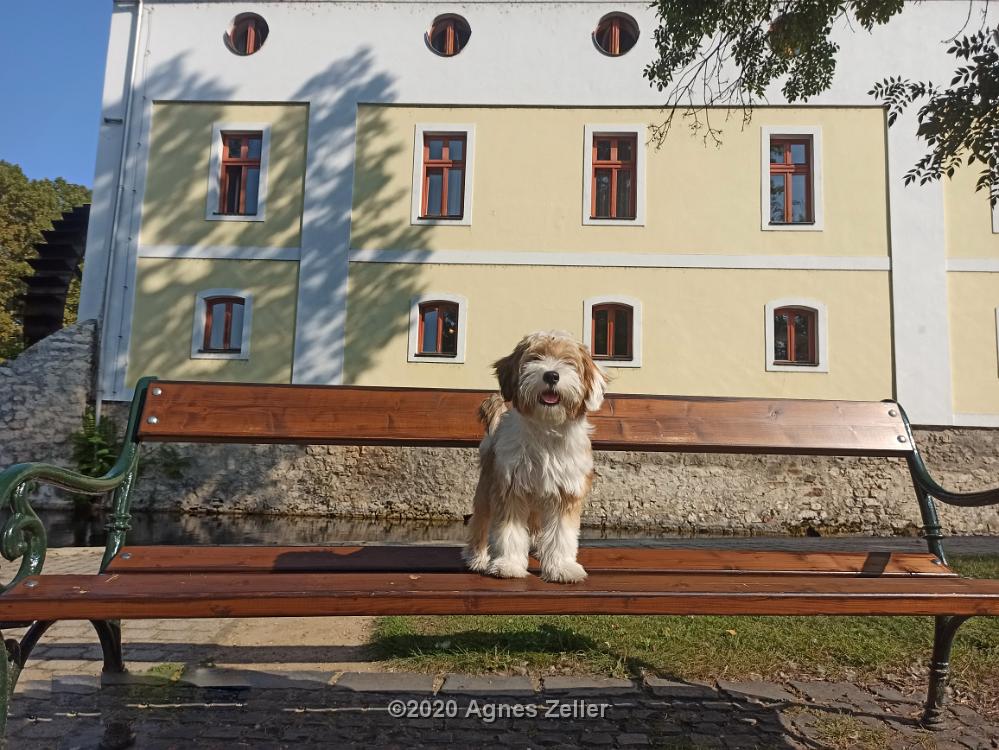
x,y
503,568
475,561
568,571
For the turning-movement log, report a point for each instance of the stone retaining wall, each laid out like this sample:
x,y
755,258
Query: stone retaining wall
x,y
44,391
683,493
43,394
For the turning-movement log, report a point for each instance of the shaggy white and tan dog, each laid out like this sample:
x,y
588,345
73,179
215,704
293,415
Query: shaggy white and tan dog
x,y
536,464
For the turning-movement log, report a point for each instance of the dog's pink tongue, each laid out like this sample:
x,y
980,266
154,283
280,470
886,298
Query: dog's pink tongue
x,y
549,397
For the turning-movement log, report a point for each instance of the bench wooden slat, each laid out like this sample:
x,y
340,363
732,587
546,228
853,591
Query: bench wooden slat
x,y
154,595
425,559
240,413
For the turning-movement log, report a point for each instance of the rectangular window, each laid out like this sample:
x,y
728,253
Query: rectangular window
x,y
223,325
443,186
791,181
239,182
611,336
438,330
614,182
794,336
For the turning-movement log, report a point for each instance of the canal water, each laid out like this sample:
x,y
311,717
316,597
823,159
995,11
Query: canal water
x,y
66,530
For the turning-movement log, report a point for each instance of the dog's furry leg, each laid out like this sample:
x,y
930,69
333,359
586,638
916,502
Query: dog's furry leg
x,y
510,541
558,541
476,551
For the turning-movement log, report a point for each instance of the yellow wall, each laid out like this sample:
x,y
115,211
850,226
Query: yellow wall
x,y
173,211
163,320
974,298
688,348
968,217
528,173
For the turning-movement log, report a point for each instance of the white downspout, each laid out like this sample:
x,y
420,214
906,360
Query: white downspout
x,y
113,233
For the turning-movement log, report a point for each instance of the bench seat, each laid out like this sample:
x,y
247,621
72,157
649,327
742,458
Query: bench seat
x,y
150,582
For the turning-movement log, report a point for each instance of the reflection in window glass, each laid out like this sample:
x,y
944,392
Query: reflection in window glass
x,y
600,328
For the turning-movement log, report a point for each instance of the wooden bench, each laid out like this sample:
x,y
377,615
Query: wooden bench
x,y
248,581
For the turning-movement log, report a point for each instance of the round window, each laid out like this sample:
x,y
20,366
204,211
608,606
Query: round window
x,y
247,34
448,35
616,34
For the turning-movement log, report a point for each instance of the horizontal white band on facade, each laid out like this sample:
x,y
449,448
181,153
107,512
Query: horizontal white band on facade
x,y
625,260
219,252
973,265
976,420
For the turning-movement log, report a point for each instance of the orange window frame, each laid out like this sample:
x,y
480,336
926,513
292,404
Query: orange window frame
x,y
211,302
613,311
445,164
791,314
452,44
789,168
615,165
440,308
250,26
611,30
244,162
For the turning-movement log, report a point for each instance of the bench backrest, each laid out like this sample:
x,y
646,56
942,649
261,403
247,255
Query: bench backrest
x,y
191,412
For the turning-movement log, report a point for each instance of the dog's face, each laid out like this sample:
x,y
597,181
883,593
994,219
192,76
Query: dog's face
x,y
551,377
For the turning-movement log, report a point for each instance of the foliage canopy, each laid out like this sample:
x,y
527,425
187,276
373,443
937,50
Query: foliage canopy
x,y
729,53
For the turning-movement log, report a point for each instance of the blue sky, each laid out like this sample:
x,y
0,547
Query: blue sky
x,y
51,80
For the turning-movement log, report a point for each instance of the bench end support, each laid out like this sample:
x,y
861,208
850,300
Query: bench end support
x,y
943,639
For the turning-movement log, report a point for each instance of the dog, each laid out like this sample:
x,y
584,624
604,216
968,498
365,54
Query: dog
x,y
536,462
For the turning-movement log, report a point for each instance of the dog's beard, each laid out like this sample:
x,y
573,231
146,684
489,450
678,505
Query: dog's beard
x,y
550,404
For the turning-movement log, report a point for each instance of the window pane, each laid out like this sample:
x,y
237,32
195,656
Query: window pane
x,y
802,351
234,148
456,150
799,197
628,38
624,151
603,198
454,188
435,193
780,337
625,189
429,330
252,189
600,333
234,178
217,332
776,153
461,36
798,153
236,334
254,150
622,333
449,330
776,199
604,150
436,148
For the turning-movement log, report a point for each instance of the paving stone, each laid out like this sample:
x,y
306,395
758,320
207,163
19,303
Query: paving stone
x,y
761,690
72,683
823,692
494,685
632,739
386,682
604,685
684,690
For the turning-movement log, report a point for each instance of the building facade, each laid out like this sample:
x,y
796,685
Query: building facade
x,y
393,193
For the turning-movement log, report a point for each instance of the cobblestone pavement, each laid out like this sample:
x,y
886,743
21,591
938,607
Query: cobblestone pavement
x,y
252,683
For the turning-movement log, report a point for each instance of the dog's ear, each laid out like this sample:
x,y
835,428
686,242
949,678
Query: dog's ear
x,y
508,371
594,382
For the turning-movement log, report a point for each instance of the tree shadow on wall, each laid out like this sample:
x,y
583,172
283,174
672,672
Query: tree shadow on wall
x,y
353,162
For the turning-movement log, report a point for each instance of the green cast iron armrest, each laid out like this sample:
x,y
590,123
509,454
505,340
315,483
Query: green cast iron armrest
x,y
921,476
23,535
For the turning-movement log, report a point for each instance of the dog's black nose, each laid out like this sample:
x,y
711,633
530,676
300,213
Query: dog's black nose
x,y
550,377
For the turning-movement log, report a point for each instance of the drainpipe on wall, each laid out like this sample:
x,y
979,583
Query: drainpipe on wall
x,y
116,212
